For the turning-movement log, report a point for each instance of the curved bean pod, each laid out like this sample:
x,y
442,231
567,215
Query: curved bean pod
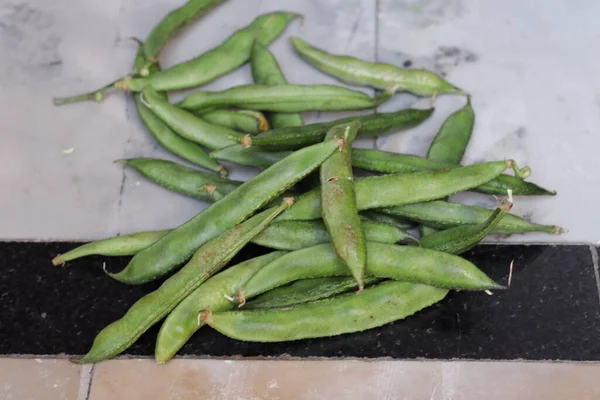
x,y
168,27
402,263
284,98
378,75
249,156
178,245
125,245
444,215
371,125
247,121
451,141
266,71
189,125
165,136
182,322
151,308
384,303
463,238
304,291
179,178
387,162
399,189
295,235
214,63
338,203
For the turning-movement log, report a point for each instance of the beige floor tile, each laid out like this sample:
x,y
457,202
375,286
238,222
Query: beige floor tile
x,y
253,380
520,381
35,379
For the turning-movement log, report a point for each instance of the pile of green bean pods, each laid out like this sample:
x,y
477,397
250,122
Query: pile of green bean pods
x,y
346,254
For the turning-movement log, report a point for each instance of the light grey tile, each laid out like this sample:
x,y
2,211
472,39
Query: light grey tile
x,y
532,74
66,47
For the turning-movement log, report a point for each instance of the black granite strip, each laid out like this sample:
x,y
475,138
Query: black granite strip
x,y
550,312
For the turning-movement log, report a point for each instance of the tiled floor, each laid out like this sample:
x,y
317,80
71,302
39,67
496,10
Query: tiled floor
x,y
24,379
533,75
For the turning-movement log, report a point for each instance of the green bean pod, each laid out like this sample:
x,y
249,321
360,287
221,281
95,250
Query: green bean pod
x,y
178,245
168,27
217,62
377,75
179,178
371,125
400,189
304,291
165,136
214,294
444,215
393,220
463,238
247,121
284,98
125,245
295,235
402,263
451,141
384,303
189,125
249,156
387,162
266,71
338,203
153,307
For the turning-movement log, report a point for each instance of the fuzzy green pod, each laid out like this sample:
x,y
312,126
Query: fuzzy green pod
x,y
408,188
444,215
179,244
378,75
226,57
306,290
338,203
376,306
284,98
153,307
189,125
266,71
214,294
179,178
247,121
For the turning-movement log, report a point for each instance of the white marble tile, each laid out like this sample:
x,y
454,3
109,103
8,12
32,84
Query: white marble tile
x,y
532,72
66,47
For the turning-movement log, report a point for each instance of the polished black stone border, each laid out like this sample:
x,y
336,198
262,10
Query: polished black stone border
x,y
551,311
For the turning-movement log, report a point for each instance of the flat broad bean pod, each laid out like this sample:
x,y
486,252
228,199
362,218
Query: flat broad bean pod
x,y
407,188
371,125
249,156
378,75
306,290
226,57
189,125
165,136
153,307
215,294
179,178
444,215
402,263
376,306
338,203
247,121
178,245
266,71
284,98
389,163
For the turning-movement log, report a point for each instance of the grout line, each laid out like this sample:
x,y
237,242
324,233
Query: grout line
x,y
594,252
377,9
85,381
